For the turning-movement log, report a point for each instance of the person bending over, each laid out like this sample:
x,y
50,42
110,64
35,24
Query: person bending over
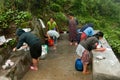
x,y
34,44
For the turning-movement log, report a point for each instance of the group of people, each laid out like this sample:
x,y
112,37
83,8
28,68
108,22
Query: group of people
x,y
86,46
77,35
34,42
84,39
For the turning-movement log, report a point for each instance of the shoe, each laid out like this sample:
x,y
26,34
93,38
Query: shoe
x,y
33,68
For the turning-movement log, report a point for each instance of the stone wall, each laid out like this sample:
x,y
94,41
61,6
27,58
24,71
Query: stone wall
x,y
4,54
22,61
106,66
38,30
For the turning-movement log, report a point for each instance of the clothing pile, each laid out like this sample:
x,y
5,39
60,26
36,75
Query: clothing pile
x,y
8,64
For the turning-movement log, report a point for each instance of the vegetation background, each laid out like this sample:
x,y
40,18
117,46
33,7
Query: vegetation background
x,y
104,14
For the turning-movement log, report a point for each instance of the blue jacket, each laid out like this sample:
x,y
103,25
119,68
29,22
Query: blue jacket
x,y
86,26
89,31
26,37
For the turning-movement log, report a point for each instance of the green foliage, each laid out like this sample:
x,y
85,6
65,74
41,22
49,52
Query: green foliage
x,y
114,42
115,45
55,7
11,43
21,4
108,26
60,2
60,16
109,9
95,8
84,20
64,4
8,4
9,16
22,17
104,14
112,36
6,18
61,20
1,5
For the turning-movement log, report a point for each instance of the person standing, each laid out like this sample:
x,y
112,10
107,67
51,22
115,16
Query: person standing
x,y
72,25
34,44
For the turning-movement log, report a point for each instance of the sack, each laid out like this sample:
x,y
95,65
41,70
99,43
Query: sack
x,y
44,51
78,65
50,42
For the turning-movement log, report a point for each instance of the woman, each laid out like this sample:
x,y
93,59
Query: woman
x,y
72,29
34,44
54,35
52,25
87,45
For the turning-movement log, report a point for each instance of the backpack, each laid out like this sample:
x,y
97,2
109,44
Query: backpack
x,y
86,26
78,65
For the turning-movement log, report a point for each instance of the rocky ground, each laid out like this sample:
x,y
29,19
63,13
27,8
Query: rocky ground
x,y
59,64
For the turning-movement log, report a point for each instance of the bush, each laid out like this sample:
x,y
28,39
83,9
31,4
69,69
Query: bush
x,y
10,16
22,17
12,42
113,38
84,20
6,18
61,20
55,7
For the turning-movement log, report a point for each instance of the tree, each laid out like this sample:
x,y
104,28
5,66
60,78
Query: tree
x,y
106,8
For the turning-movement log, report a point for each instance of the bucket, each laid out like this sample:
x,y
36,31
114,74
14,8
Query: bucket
x,y
78,65
50,42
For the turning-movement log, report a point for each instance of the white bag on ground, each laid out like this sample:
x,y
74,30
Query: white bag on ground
x,y
44,52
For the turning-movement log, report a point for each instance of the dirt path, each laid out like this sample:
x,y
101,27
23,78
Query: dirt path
x,y
58,65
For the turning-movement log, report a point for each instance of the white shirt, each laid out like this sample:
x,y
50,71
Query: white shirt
x,y
53,33
80,49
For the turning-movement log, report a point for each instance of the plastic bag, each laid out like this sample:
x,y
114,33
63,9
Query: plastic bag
x,y
44,51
